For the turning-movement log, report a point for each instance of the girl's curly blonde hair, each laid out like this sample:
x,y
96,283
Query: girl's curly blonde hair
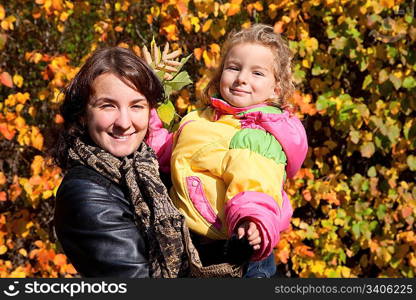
x,y
263,35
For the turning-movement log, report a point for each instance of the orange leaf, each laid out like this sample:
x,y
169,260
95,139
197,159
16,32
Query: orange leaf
x,y
57,4
198,53
59,259
3,178
3,196
307,195
406,211
182,6
15,190
59,119
6,79
6,131
70,269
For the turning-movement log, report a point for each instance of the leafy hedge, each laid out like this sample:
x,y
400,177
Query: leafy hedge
x,y
355,65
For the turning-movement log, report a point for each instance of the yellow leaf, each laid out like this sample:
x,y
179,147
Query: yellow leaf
x,y
69,4
166,112
36,138
306,63
2,12
3,249
195,22
7,24
60,27
20,123
22,98
207,25
215,48
64,16
47,194
37,165
23,252
18,80
387,3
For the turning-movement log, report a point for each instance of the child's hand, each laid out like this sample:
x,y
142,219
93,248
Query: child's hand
x,y
250,231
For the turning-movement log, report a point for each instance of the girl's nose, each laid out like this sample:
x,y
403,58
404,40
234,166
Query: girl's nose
x,y
123,120
241,77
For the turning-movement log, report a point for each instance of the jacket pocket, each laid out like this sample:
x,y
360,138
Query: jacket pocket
x,y
200,201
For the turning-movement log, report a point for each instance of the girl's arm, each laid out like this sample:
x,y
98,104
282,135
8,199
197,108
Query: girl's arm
x,y
254,172
161,141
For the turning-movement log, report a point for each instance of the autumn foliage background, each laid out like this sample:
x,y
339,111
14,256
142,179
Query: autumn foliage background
x,y
355,66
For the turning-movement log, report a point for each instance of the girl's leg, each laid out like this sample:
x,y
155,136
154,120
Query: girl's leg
x,y
265,268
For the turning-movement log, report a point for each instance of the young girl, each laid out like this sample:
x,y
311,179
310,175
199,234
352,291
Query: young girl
x,y
229,161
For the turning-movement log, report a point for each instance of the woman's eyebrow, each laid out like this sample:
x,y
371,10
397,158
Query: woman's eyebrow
x,y
96,101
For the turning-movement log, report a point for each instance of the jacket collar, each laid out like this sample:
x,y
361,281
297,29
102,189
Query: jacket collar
x,y
223,108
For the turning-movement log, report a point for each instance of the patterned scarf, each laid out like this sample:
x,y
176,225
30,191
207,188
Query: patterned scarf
x,y
171,253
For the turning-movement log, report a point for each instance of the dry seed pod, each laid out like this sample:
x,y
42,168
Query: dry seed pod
x,y
147,56
165,51
172,63
173,54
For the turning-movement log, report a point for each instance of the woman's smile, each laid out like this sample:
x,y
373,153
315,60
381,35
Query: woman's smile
x,y
117,115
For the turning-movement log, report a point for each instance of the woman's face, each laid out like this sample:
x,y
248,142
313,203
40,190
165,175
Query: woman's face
x,y
117,115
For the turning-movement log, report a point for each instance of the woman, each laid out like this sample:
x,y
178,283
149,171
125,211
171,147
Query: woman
x,y
113,216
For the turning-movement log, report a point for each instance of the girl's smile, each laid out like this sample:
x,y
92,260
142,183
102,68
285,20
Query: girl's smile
x,y
248,76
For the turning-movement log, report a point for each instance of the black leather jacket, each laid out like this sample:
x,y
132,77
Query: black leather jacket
x,y
94,222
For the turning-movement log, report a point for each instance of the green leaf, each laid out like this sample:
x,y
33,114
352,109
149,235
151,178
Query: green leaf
x,y
367,80
160,74
355,136
183,61
367,149
396,81
372,172
393,133
179,81
409,82
381,211
356,230
373,225
411,162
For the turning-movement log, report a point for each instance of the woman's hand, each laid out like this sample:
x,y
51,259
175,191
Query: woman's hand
x,y
250,231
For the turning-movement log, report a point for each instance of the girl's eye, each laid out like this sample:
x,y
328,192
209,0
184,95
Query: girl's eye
x,y
258,73
233,68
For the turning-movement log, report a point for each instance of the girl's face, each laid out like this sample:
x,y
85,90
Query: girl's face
x,y
248,77
117,115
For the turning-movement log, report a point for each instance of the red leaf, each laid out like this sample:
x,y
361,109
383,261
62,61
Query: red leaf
x,y
6,79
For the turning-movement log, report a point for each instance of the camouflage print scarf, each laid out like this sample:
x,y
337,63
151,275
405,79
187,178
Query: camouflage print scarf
x,y
171,253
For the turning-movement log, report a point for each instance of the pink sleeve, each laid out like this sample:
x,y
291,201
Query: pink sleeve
x,y
265,212
289,132
161,141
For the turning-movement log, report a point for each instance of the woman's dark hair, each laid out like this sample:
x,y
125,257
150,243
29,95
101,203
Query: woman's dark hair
x,y
120,62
